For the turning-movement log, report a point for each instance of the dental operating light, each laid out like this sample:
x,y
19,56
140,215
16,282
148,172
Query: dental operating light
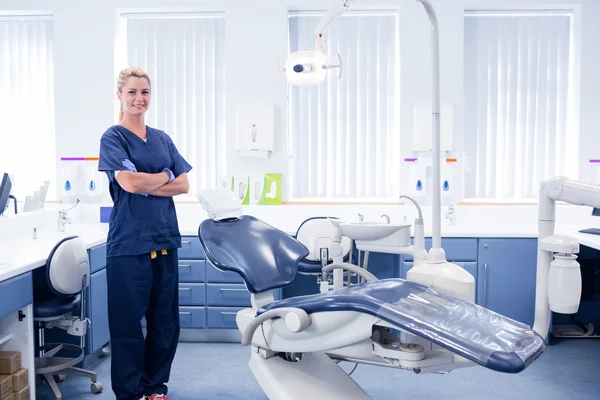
x,y
310,67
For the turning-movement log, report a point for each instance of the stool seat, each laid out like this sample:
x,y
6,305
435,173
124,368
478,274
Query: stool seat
x,y
56,306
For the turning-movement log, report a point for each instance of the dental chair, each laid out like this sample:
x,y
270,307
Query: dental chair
x,y
296,343
59,294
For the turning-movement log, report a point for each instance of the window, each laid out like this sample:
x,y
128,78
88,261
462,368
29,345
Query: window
x,y
27,150
344,134
184,55
518,100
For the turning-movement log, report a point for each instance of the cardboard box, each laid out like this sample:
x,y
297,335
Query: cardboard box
x,y
20,379
23,394
10,362
10,397
6,386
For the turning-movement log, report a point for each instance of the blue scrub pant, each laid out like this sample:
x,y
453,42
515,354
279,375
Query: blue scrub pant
x,y
139,286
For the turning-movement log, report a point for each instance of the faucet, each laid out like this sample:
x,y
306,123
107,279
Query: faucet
x,y
451,215
360,217
387,217
63,219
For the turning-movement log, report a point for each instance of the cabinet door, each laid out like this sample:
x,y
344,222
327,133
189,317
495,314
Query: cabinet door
x,y
507,273
98,310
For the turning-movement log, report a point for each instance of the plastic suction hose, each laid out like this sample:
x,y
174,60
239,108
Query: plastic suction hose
x,y
419,234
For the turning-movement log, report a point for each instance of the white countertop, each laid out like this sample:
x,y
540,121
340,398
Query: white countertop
x,y
20,253
23,254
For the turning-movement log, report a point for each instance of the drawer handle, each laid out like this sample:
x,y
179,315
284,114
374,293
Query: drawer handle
x,y
185,265
185,313
186,289
228,313
485,273
186,242
233,290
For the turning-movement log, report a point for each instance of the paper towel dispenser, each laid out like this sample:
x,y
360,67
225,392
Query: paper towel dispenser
x,y
256,130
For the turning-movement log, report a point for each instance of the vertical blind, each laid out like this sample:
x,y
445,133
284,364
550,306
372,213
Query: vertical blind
x,y
27,103
518,92
344,133
184,56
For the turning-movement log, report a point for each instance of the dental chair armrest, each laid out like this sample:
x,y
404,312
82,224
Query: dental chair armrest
x,y
366,275
296,320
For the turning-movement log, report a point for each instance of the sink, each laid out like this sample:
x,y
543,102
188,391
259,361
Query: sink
x,y
377,236
370,230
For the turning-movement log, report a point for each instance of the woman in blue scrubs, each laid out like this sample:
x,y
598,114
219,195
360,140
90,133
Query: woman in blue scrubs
x,y
145,171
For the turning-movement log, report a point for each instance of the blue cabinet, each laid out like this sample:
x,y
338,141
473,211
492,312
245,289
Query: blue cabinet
x,y
98,311
506,277
15,293
208,298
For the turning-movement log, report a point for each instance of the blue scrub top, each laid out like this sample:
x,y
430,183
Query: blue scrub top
x,y
140,224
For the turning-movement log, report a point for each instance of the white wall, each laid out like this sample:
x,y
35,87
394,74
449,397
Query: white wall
x,y
256,37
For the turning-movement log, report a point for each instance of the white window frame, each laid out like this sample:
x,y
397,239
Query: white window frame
x,y
41,128
208,164
574,169
338,194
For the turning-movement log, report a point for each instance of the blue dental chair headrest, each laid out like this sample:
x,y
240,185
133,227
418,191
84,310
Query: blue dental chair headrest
x,y
264,256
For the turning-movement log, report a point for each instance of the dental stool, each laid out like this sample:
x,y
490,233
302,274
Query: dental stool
x,y
296,342
318,234
59,294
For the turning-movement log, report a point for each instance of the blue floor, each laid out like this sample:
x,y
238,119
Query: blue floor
x,y
569,369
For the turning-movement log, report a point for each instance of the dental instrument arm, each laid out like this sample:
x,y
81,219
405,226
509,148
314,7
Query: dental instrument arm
x,y
366,275
419,252
557,189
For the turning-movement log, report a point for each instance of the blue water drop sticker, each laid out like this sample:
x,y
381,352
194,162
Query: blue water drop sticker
x,y
419,185
92,186
67,185
446,186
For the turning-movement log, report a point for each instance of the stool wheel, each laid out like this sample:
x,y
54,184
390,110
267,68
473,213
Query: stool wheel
x,y
96,387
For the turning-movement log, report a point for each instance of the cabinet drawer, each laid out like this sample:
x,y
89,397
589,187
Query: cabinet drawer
x,y
192,294
457,249
227,295
192,271
192,317
215,275
16,293
190,248
97,258
222,317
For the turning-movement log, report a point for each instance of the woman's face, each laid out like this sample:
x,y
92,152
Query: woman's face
x,y
135,96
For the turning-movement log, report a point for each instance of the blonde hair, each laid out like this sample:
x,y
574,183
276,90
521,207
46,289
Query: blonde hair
x,y
122,80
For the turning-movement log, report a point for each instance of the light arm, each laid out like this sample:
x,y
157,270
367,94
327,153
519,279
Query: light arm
x,y
327,19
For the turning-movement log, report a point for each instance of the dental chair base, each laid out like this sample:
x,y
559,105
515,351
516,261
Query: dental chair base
x,y
314,376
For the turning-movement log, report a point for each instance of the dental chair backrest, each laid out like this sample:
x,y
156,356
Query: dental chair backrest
x,y
265,257
67,270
